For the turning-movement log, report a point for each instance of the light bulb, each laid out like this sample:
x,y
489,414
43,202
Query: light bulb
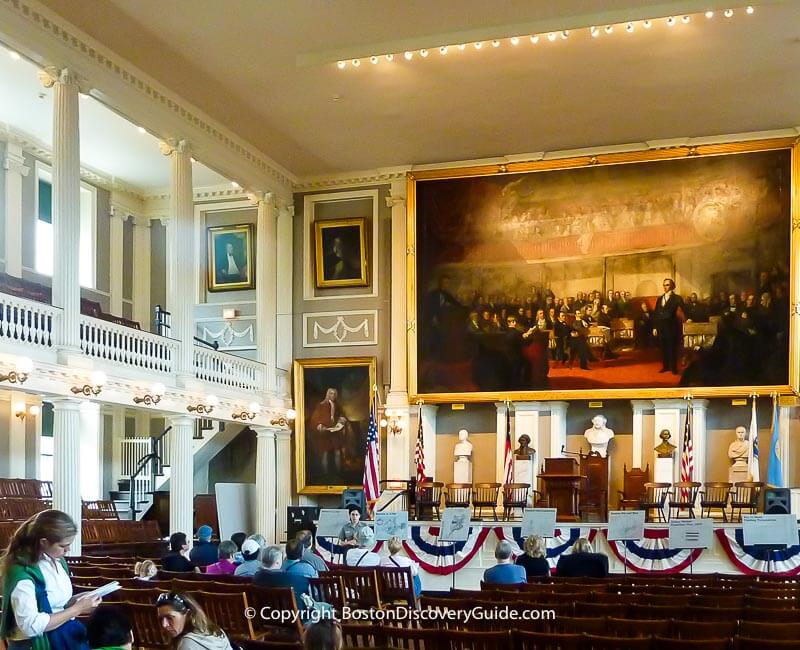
x,y
14,55
629,27
423,53
34,410
19,408
671,21
212,400
462,46
728,13
408,55
478,45
443,50
686,20
495,43
594,31
514,40
254,407
158,389
608,29
565,34
291,414
235,185
341,64
390,57
750,10
647,24
373,60
709,14
141,129
24,366
535,39
384,423
356,62
551,36
98,378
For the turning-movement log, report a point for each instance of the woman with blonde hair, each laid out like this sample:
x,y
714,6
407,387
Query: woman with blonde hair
x,y
182,618
582,562
145,570
534,559
396,560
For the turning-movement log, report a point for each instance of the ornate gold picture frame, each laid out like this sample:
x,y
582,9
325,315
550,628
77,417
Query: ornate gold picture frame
x,y
230,261
340,258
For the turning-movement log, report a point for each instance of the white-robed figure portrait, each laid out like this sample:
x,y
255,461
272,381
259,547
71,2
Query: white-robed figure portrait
x,y
599,435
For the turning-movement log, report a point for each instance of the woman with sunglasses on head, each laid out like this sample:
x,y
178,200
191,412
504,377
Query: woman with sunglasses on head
x,y
39,610
187,624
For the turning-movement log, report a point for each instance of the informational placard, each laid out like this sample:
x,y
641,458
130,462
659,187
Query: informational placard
x,y
769,530
455,525
331,521
391,524
539,521
625,525
691,533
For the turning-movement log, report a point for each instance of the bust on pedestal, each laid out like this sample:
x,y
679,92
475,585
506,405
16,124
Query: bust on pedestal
x,y
524,464
598,436
462,467
665,454
738,452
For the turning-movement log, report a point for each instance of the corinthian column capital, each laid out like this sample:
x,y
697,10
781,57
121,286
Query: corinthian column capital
x,y
261,197
50,75
168,147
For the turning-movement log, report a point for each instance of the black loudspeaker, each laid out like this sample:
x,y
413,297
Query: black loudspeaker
x,y
777,501
356,498
301,518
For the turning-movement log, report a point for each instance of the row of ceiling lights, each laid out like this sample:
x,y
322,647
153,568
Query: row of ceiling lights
x,y
593,31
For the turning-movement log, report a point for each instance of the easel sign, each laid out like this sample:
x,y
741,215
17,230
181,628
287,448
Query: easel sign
x,y
391,524
624,525
331,521
539,521
455,525
769,530
691,533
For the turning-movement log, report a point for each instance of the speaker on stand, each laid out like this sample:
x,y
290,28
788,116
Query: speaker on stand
x,y
777,501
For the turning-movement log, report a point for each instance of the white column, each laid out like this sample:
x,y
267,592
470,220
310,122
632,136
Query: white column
x,y
284,343
33,435
266,283
141,273
398,454
117,436
527,419
639,406
558,427
181,479
16,170
116,245
91,449
16,435
67,461
427,412
500,441
66,203
283,480
398,362
699,438
181,271
667,415
265,482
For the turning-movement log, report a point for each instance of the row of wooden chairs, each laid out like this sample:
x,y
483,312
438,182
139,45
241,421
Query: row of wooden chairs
x,y
515,496
100,509
714,496
18,509
28,488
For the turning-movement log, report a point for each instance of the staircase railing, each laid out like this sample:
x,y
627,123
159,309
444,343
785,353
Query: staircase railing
x,y
152,464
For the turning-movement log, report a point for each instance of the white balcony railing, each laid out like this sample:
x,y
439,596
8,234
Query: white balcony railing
x,y
228,370
28,322
127,346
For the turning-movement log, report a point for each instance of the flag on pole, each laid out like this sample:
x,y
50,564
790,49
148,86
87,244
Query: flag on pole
x,y
775,469
372,463
752,454
687,456
508,463
419,451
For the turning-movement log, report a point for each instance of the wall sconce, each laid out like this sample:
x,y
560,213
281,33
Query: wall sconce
x,y
21,410
19,375
250,414
392,422
204,408
97,379
282,421
157,390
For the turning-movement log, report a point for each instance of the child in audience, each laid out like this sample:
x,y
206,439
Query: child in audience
x,y
187,625
224,566
109,628
145,570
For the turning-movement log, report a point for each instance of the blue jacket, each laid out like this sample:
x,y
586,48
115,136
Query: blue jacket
x,y
505,574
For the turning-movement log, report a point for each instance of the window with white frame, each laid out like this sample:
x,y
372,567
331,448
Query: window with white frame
x,y
44,228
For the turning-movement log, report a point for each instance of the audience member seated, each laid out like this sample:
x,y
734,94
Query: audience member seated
x,y
109,628
187,625
224,565
505,572
323,635
309,556
176,559
362,556
534,559
250,563
396,560
582,562
272,575
238,539
205,551
145,570
295,563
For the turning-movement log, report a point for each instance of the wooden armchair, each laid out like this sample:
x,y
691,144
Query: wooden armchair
x,y
515,495
457,495
715,496
684,497
633,489
228,608
655,497
327,589
396,585
745,497
146,626
484,495
428,495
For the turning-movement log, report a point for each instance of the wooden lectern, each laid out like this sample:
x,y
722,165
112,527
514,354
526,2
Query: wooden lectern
x,y
561,480
594,491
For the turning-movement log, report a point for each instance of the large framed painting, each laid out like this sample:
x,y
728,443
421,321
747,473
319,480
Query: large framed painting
x,y
332,398
648,274
230,258
340,253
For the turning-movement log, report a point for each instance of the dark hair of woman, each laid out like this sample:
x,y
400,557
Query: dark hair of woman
x,y
25,544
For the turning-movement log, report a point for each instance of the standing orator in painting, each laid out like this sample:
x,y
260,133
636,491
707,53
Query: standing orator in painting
x,y
667,326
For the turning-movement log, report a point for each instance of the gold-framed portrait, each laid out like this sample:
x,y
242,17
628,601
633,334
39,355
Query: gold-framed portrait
x,y
340,247
639,274
332,398
230,261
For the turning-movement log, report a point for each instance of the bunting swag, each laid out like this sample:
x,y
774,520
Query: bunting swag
x,y
332,553
652,555
754,561
443,558
561,543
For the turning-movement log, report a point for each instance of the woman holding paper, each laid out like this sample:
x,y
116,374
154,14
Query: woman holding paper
x,y
39,610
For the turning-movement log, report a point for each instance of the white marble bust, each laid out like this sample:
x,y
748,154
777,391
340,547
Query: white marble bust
x,y
599,435
739,449
463,447
462,467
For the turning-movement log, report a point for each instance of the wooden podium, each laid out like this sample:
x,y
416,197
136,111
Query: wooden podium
x,y
561,480
594,491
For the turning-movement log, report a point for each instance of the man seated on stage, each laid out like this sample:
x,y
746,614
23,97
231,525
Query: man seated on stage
x,y
582,562
347,536
505,572
363,556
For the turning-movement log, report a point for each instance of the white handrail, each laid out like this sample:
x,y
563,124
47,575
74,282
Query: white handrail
x,y
228,370
128,346
27,321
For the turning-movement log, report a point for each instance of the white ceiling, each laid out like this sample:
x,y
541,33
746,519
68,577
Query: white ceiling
x,y
110,144
266,69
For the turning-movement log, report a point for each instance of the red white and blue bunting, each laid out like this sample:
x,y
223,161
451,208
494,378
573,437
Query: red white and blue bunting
x,y
561,543
652,554
443,558
757,561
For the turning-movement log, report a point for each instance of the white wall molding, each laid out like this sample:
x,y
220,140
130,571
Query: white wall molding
x,y
340,328
351,179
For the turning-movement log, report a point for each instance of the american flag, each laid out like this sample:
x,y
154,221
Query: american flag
x,y
508,463
687,457
752,456
419,452
372,463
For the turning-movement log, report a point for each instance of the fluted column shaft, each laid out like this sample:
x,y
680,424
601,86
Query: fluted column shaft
x,y
265,482
558,427
15,171
398,362
67,461
141,273
639,406
266,283
284,308
283,481
116,236
181,479
181,262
